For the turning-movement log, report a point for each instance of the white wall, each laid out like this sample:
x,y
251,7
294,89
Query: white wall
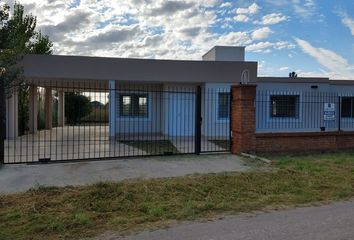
x,y
179,109
172,110
311,107
225,53
212,125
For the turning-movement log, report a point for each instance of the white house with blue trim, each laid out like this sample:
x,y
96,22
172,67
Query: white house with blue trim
x,y
159,96
145,95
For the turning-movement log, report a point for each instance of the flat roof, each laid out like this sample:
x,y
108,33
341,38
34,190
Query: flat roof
x,y
304,80
45,69
58,67
341,82
293,80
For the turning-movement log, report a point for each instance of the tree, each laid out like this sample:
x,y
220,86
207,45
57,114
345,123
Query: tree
x,y
77,106
292,75
18,36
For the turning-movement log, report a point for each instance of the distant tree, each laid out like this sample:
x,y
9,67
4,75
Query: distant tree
x,y
292,75
97,104
77,106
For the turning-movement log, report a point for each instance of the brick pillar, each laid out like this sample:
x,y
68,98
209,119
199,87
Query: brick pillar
x,y
243,115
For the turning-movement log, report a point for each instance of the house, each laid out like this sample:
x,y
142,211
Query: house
x,y
146,96
166,106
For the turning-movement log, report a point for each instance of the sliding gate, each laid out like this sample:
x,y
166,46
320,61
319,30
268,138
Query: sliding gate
x,y
61,123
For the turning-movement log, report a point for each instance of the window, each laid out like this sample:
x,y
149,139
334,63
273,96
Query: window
x,y
133,105
347,107
284,105
224,105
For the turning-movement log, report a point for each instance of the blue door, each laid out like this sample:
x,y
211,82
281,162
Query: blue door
x,y
180,114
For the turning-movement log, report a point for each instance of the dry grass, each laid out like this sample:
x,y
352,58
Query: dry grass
x,y
75,212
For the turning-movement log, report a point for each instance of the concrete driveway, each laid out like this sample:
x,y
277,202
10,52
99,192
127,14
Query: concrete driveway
x,y
90,142
16,178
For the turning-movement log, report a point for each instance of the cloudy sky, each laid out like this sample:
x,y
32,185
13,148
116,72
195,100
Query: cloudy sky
x,y
311,37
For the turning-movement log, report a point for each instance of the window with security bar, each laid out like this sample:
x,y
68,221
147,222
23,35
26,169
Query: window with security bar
x,y
347,107
224,105
284,106
133,105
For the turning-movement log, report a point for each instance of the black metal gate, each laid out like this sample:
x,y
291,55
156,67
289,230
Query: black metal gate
x,y
61,122
2,121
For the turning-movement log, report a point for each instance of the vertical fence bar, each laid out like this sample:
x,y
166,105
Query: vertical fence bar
x,y
2,121
339,113
198,121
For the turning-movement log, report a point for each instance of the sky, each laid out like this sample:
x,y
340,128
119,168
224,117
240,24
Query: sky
x,y
312,37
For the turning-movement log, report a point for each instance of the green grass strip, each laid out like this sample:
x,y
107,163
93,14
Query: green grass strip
x,y
76,212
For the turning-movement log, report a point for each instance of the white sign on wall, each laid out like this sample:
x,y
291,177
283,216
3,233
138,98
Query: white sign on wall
x,y
329,112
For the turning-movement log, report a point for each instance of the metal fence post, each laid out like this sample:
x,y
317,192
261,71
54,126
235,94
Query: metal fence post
x,y
339,112
2,121
198,121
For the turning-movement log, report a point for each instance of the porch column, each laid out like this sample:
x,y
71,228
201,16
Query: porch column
x,y
48,108
61,109
33,109
112,109
12,116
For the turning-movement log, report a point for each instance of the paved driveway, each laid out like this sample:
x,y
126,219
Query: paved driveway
x,y
331,222
14,178
90,142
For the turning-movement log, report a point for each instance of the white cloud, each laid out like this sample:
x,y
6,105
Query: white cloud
x,y
335,63
234,39
272,18
282,69
244,13
241,18
304,8
261,33
131,28
348,22
266,46
179,29
252,9
226,5
278,2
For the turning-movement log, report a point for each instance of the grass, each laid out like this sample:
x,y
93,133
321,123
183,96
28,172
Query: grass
x,y
97,115
76,212
225,144
153,147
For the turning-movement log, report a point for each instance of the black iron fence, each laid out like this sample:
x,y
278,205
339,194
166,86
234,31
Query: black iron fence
x,y
88,120
2,122
299,111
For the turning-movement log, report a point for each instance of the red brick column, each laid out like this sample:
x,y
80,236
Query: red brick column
x,y
243,118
